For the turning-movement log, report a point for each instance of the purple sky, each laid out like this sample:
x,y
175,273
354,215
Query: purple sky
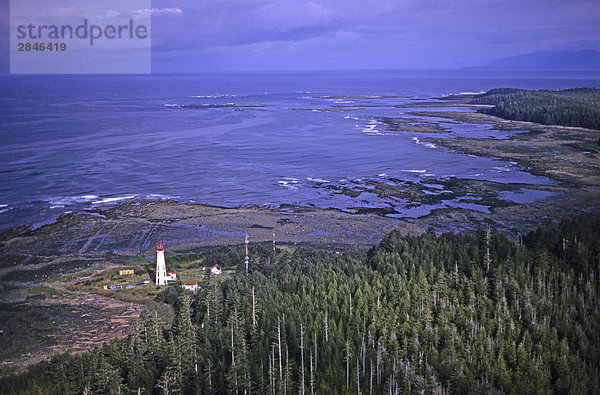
x,y
212,35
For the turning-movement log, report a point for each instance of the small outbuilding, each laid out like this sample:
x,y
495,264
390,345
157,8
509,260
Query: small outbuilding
x,y
172,276
190,286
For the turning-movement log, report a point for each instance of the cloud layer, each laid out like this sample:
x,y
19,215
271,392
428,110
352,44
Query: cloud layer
x,y
197,35
370,33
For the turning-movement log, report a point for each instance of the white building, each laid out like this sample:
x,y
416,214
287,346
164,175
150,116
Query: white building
x,y
172,276
190,286
215,270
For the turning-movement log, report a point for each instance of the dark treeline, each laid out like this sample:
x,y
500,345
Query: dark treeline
x,y
570,107
449,313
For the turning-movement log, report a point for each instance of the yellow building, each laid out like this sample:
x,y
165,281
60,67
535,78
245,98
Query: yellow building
x,y
125,272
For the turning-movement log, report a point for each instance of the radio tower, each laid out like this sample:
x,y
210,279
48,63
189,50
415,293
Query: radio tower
x,y
273,240
247,259
161,269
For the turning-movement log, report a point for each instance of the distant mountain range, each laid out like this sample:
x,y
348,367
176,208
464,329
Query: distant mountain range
x,y
584,59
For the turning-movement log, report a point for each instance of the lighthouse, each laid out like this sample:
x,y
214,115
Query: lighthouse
x,y
161,268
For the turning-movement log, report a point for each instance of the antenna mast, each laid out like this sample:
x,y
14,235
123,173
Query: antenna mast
x,y
247,259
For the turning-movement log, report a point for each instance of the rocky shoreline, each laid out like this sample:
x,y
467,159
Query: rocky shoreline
x,y
79,241
567,154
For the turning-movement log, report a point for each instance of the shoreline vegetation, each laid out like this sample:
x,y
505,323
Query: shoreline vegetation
x,y
32,259
570,107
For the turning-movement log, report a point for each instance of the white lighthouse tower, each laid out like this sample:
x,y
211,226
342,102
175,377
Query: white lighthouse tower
x,y
161,268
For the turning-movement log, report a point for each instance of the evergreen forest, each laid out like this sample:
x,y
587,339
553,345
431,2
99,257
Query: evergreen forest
x,y
450,313
569,107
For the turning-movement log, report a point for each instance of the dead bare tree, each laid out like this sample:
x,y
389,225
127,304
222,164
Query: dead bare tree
x,y
302,357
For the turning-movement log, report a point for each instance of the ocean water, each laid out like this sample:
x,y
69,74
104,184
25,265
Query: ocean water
x,y
75,142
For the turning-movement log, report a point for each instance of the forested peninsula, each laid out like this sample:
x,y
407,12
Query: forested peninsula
x,y
454,312
570,107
